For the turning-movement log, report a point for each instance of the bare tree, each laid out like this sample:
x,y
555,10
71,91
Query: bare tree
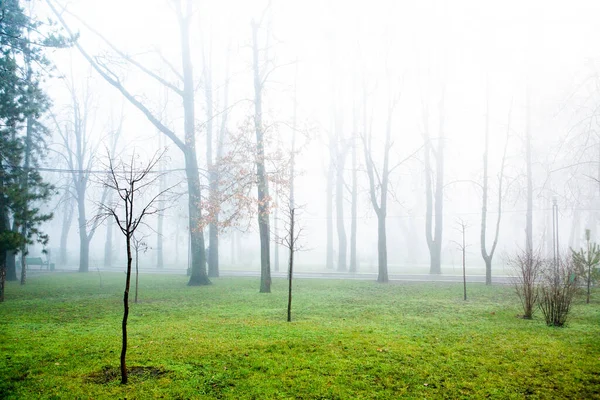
x,y
462,225
354,194
185,89
529,169
290,241
130,182
139,245
260,76
379,184
488,256
78,152
434,234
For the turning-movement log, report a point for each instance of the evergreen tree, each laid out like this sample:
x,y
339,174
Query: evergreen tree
x,y
23,103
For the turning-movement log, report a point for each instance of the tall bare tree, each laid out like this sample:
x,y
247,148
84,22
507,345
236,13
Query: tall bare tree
x,y
379,184
260,76
354,194
434,196
78,152
489,255
529,172
185,90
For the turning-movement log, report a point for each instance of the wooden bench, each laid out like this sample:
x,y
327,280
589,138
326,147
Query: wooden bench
x,y
31,261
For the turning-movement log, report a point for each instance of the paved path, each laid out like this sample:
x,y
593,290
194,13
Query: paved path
x,y
331,275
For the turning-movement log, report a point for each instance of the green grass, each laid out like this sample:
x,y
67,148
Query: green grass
x,y
60,338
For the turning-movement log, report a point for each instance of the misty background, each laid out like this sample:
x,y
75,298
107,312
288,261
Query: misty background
x,y
340,72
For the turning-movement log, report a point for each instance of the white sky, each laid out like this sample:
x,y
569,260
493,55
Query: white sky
x,y
405,48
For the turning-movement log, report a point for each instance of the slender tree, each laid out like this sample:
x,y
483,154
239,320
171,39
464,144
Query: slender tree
x,y
130,182
529,172
260,76
139,245
489,255
379,184
434,191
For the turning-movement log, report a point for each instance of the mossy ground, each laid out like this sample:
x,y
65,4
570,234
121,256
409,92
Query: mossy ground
x,y
60,338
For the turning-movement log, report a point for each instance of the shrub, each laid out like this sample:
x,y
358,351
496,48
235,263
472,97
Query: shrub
x,y
527,266
558,287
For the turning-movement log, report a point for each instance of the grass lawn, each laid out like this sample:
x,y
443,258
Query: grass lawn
x,y
60,338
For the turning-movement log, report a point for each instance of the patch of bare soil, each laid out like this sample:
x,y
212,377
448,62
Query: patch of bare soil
x,y
108,374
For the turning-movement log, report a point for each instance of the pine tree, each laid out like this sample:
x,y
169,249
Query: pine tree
x,y
23,103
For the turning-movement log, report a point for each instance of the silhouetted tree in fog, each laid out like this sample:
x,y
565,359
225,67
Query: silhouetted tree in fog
x,y
434,192
489,255
184,88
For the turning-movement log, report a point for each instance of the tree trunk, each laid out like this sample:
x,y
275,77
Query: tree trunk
x,y
125,313
488,270
262,184
137,274
291,266
11,257
11,266
160,263
64,231
354,211
213,184
198,256
84,244
198,276
382,248
339,207
108,250
2,274
529,215
275,245
329,216
434,196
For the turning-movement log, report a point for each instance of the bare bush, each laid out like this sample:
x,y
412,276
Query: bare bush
x,y
558,287
527,266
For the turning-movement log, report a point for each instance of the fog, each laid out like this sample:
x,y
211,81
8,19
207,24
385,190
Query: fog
x,y
338,75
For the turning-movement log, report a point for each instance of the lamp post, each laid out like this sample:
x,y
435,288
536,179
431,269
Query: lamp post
x,y
555,231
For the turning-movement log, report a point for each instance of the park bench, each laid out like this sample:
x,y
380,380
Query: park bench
x,y
31,261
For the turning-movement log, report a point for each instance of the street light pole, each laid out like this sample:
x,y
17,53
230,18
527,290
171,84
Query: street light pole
x,y
555,231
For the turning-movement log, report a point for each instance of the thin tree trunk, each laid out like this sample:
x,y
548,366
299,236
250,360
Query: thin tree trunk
x,y
213,184
108,245
339,207
66,227
487,257
291,266
329,216
353,207
262,183
125,313
2,274
434,196
83,237
529,215
137,274
275,228
382,275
